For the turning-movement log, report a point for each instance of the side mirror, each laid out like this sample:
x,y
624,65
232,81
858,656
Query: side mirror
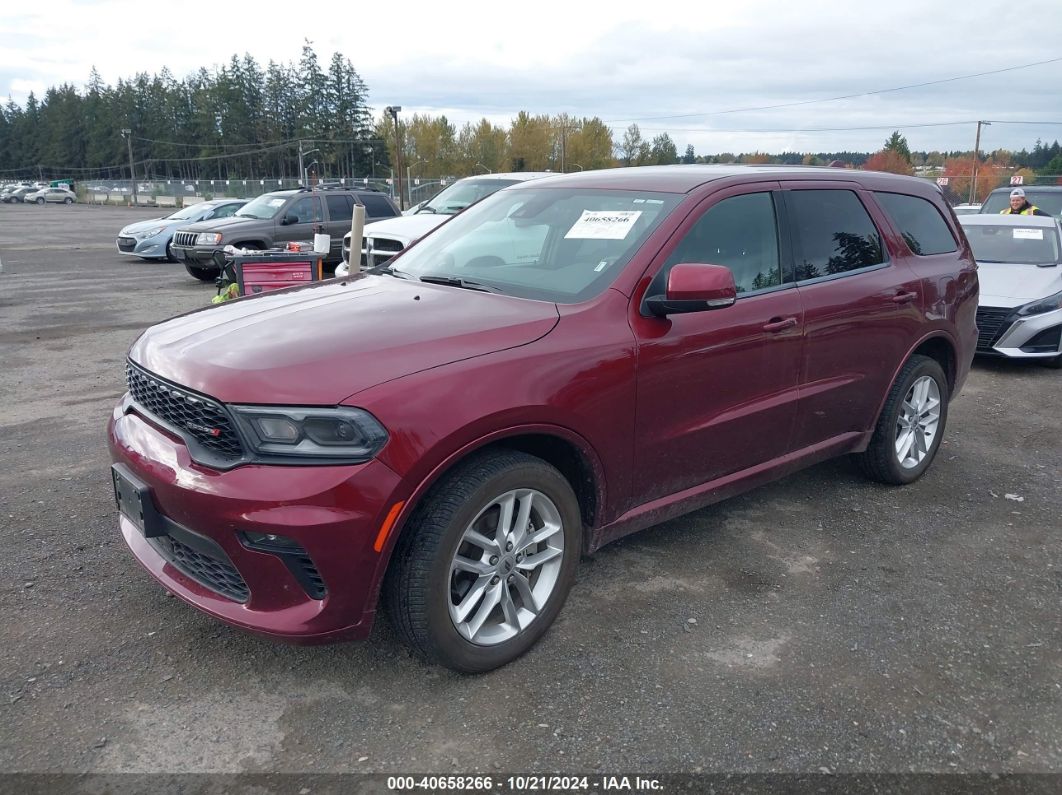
x,y
693,287
289,219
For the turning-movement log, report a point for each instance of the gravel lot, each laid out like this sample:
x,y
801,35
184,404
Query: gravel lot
x,y
820,622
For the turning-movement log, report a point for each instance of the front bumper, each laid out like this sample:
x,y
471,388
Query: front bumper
x,y
332,512
205,256
1003,332
148,247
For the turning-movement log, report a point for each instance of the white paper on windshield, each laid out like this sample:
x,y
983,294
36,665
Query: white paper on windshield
x,y
1028,234
276,202
603,225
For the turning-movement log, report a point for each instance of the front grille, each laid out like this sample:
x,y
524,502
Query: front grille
x,y
185,238
202,418
217,575
383,244
126,244
991,323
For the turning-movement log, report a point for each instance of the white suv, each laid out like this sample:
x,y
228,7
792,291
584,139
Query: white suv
x,y
384,239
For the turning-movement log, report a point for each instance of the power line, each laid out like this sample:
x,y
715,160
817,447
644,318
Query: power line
x,y
844,96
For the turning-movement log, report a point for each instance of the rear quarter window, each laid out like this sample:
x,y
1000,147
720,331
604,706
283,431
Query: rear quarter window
x,y
919,222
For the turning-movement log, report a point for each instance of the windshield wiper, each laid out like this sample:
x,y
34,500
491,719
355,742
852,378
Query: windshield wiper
x,y
381,269
427,208
457,281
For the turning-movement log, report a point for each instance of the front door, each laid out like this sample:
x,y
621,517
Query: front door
x,y
301,214
717,390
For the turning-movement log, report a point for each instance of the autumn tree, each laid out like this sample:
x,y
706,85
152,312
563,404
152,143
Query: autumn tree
x,y
959,171
888,160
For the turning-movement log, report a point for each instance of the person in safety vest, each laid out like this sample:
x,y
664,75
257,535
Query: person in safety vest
x,y
1019,205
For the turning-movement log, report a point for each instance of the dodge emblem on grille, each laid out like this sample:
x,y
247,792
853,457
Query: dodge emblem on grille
x,y
215,432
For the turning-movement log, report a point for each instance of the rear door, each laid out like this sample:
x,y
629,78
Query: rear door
x,y
717,390
340,211
862,308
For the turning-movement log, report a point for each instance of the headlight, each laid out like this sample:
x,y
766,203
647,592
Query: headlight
x,y
208,239
311,435
1049,304
148,233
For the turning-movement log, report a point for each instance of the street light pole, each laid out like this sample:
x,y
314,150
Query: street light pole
x,y
394,110
128,135
976,159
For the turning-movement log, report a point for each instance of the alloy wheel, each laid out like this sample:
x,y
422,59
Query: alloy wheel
x,y
918,422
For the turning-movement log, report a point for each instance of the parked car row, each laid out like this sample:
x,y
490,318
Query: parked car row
x,y
34,195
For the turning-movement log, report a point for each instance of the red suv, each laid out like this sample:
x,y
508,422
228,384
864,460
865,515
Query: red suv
x,y
566,362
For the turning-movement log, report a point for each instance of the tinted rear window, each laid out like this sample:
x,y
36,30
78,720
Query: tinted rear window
x,y
376,206
920,223
835,233
340,208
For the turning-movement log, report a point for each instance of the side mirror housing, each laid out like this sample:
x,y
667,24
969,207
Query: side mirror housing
x,y
289,219
694,287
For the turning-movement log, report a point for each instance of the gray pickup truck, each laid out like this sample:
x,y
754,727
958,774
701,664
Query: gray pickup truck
x,y
275,219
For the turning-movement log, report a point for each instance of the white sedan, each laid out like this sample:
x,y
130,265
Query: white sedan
x,y
1019,259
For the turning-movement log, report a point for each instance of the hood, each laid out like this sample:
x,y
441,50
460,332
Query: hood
x,y
223,224
320,344
405,227
143,226
1013,285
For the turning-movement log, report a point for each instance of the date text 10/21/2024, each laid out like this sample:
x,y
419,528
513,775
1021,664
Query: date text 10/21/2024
x,y
530,783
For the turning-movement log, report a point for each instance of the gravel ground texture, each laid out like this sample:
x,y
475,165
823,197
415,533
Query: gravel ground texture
x,y
819,624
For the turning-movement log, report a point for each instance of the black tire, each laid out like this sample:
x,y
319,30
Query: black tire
x,y
1054,364
417,588
169,253
880,461
40,200
204,274
68,200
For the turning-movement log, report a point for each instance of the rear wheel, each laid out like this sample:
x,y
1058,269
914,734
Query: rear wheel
x,y
486,562
40,200
911,425
68,200
204,274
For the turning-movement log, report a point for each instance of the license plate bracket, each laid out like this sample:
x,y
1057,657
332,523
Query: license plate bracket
x,y
133,497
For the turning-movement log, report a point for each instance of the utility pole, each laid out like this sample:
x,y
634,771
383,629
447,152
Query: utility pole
x,y
394,110
128,135
976,160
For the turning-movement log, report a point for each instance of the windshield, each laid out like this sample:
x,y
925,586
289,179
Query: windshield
x,y
264,207
1015,245
550,244
458,196
1048,201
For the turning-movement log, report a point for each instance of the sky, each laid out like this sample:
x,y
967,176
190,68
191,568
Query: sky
x,y
692,70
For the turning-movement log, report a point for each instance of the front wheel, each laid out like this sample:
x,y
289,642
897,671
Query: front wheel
x,y
207,274
68,200
911,425
40,201
486,562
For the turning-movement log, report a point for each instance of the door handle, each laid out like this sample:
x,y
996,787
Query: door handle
x,y
780,324
904,298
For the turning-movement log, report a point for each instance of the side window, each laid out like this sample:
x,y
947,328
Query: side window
x,y
739,233
835,233
919,222
225,211
306,209
376,206
340,208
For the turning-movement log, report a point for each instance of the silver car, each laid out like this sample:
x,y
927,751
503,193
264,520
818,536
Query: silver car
x,y
151,239
51,195
1019,266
